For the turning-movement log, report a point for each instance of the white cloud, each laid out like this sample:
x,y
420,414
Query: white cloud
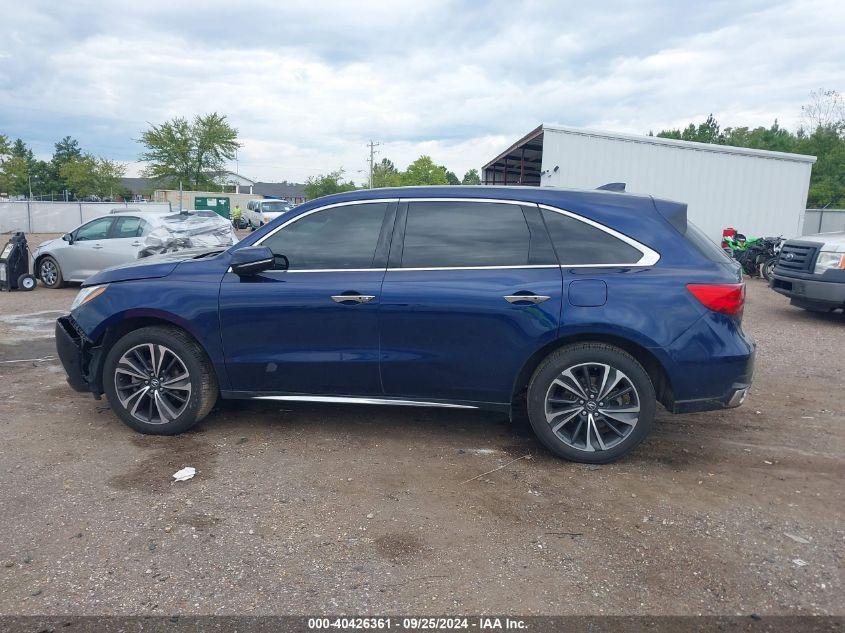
x,y
308,84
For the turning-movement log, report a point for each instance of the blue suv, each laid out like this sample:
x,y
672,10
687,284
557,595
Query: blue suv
x,y
582,308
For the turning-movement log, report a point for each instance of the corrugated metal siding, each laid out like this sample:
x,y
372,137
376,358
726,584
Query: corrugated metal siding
x,y
756,195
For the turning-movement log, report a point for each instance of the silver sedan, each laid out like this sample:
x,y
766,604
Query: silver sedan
x,y
121,238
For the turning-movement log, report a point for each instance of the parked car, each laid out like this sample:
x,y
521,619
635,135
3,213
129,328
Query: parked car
x,y
122,237
584,309
261,212
811,272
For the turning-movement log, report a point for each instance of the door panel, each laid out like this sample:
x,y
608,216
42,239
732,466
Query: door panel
x,y
86,255
313,328
453,325
451,334
124,241
282,332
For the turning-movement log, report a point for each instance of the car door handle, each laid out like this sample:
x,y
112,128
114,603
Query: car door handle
x,y
136,243
526,298
96,247
352,298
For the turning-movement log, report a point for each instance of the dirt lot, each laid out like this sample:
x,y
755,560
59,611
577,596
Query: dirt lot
x,y
313,509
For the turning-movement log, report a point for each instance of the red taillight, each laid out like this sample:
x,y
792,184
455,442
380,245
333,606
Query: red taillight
x,y
724,298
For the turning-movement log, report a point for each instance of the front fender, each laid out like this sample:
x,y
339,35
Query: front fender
x,y
189,305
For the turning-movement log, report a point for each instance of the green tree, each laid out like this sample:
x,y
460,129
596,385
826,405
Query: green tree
x,y
91,176
706,132
5,148
192,152
827,183
17,168
451,178
14,176
385,174
65,150
45,180
423,171
471,178
327,184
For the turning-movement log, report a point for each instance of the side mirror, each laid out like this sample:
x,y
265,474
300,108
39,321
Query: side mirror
x,y
251,260
68,237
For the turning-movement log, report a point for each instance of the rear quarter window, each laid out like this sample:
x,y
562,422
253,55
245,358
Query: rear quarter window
x,y
580,244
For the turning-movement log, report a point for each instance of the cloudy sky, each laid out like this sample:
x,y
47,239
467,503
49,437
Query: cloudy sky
x,y
308,83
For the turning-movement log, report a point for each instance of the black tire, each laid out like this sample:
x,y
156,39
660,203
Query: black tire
x,y
26,282
57,280
769,267
199,400
593,356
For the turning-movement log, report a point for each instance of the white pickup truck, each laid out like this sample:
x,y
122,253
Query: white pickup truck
x,y
811,272
260,212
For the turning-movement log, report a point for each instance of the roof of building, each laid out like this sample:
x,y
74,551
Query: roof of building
x,y
693,145
273,189
279,189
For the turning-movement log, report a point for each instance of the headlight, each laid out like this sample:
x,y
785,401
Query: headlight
x,y
87,294
828,260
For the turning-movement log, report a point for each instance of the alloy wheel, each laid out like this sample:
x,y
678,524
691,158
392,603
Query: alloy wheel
x,y
592,406
152,383
48,272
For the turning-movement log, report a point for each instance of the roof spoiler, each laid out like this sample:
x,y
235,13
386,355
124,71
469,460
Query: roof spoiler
x,y
612,186
674,212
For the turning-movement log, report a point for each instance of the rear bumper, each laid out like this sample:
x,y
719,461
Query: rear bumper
x,y
732,399
712,366
809,291
78,356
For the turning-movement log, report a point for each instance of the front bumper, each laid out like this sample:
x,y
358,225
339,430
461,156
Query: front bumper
x,y
829,294
78,356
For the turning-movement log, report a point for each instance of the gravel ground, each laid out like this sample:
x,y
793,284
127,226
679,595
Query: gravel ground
x,y
326,509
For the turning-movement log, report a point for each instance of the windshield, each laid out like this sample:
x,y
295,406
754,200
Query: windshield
x,y
275,207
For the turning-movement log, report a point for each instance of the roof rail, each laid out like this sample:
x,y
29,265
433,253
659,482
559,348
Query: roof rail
x,y
612,186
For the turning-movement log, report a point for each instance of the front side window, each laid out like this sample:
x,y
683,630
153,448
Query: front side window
x,y
95,230
578,243
339,238
462,234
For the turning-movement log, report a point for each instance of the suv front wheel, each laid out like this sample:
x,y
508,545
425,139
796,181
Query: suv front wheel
x,y
591,403
158,380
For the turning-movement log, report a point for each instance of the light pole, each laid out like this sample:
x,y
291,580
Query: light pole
x,y
372,147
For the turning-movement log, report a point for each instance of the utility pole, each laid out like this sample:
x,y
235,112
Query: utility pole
x,y
372,147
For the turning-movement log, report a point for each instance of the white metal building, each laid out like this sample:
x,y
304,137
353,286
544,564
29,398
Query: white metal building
x,y
758,192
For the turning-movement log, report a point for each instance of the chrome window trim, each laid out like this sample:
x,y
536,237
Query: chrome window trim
x,y
355,400
516,267
324,208
649,257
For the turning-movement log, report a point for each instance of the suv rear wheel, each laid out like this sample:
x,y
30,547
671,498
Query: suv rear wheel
x,y
159,381
591,403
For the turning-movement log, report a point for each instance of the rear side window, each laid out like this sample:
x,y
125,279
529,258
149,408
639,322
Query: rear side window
x,y
339,238
705,245
580,244
128,227
459,234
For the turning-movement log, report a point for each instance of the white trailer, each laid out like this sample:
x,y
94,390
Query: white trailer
x,y
755,191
